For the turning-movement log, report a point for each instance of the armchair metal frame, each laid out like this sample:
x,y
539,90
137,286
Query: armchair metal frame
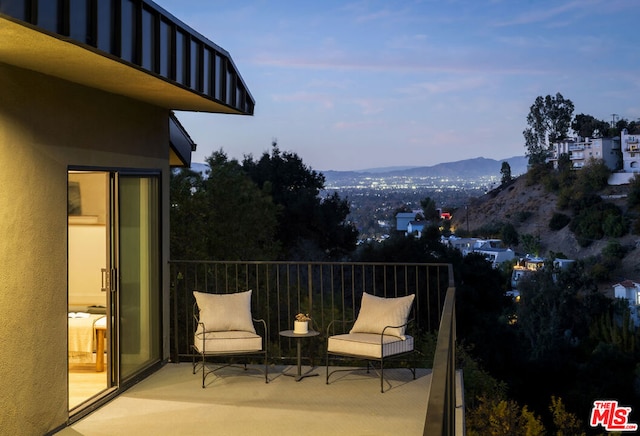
x,y
369,359
202,353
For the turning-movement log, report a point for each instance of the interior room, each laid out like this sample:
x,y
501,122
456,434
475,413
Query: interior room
x,y
88,292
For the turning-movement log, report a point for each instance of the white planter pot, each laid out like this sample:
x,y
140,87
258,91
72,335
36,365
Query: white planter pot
x,y
301,327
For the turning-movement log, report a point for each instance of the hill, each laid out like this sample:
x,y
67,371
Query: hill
x,y
529,209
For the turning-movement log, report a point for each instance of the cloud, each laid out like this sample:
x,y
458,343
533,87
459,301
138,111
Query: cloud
x,y
307,97
546,15
453,85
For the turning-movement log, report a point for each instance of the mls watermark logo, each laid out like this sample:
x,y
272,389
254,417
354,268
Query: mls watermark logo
x,y
612,417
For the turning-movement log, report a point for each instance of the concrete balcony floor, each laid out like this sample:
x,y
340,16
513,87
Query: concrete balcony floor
x,y
172,402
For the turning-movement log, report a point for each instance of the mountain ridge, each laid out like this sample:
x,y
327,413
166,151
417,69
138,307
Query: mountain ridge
x,y
466,168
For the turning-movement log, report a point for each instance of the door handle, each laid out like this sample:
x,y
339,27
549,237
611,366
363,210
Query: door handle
x,y
106,279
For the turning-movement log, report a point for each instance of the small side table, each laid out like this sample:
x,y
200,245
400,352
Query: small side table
x,y
299,336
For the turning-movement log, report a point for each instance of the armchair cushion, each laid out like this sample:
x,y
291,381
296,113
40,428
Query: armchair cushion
x,y
368,345
227,342
376,313
225,312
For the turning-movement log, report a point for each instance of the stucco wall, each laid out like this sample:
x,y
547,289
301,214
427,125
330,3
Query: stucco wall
x,y
46,125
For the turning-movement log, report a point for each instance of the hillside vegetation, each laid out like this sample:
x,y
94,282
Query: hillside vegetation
x,y
529,207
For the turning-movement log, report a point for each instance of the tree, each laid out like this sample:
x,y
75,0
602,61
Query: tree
x,y
530,243
509,234
220,216
594,176
587,126
498,417
429,210
186,241
505,172
549,120
303,226
240,219
633,197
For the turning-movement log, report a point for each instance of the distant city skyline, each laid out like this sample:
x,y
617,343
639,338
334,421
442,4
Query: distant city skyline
x,y
374,83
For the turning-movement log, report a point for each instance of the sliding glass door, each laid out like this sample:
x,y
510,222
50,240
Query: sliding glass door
x,y
114,275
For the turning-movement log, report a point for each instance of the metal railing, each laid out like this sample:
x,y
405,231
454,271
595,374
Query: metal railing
x,y
328,291
441,407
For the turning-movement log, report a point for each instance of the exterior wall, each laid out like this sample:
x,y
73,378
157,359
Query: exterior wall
x,y
47,124
630,152
403,219
630,291
581,150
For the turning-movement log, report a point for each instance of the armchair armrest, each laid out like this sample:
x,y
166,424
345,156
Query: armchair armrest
x,y
405,325
341,326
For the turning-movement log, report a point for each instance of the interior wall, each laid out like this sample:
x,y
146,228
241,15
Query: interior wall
x,y
87,257
87,242
47,125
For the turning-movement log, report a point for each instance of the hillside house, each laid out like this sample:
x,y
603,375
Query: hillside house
x,y
524,266
404,218
630,152
581,150
492,249
416,228
496,255
630,291
529,264
87,142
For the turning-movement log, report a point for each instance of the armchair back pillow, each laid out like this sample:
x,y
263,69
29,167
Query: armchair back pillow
x,y
376,313
225,312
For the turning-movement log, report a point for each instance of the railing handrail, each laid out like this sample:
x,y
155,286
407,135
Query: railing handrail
x,y
441,406
312,262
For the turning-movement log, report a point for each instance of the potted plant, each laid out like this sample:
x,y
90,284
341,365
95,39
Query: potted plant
x,y
301,323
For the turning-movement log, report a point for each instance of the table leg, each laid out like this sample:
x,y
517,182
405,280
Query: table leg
x,y
299,360
100,350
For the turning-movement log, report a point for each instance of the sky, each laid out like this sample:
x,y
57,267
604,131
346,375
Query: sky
x,y
352,85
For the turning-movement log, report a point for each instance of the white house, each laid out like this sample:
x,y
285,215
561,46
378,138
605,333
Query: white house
x,y
404,218
581,150
496,255
630,291
492,249
416,228
528,264
630,152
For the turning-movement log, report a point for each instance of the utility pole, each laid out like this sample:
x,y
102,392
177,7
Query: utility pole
x,y
613,119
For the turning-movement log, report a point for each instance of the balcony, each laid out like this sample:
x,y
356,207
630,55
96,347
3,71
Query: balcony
x,y
173,399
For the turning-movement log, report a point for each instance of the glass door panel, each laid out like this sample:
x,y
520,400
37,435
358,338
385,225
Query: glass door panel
x,y
139,273
88,293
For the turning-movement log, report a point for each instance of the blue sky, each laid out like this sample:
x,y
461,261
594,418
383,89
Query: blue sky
x,y
350,85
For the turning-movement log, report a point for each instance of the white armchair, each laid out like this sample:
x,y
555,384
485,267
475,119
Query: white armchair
x,y
377,335
225,328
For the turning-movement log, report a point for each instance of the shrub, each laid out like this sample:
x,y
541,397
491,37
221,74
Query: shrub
x,y
523,215
558,221
614,224
633,198
509,235
614,250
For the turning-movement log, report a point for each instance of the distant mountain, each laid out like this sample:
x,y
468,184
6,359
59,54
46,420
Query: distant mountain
x,y
467,169
385,169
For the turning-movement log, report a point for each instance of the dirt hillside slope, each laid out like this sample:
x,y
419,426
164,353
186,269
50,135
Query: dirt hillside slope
x,y
529,209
